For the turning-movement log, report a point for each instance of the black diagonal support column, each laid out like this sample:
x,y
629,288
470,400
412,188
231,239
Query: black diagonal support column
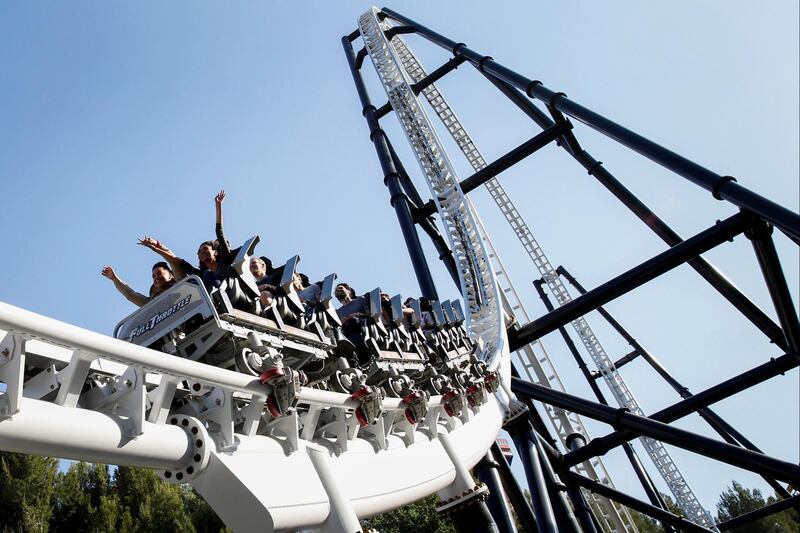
x,y
721,187
392,181
647,427
647,271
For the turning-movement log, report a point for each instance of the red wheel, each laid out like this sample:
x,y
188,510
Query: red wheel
x,y
410,416
270,374
272,407
470,397
411,397
448,410
361,417
360,393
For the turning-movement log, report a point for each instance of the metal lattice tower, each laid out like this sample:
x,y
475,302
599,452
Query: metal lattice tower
x,y
538,366
414,115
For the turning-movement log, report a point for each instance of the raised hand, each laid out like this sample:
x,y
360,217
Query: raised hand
x,y
153,244
109,273
220,197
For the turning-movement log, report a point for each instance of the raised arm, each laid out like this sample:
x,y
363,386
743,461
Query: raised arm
x,y
224,252
123,288
180,268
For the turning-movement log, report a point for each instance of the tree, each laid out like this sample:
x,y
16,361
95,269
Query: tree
x,y
737,500
26,485
203,517
645,524
149,504
82,500
420,517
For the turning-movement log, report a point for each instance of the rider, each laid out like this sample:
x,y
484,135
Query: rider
x,y
163,279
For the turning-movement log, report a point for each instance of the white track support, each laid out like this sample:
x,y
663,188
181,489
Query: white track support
x,y
678,485
538,366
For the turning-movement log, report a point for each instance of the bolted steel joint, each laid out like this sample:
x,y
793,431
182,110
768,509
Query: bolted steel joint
x,y
199,453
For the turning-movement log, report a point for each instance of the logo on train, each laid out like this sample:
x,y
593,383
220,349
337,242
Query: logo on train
x,y
154,320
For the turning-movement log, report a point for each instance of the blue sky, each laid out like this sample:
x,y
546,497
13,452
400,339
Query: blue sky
x,y
119,120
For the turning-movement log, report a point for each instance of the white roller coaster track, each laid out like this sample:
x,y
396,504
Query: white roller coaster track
x,y
663,462
314,468
534,357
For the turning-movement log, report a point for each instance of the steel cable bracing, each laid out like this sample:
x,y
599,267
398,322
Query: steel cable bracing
x,y
564,422
664,463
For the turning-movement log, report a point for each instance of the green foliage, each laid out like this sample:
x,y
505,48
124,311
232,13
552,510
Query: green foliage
x,y
420,517
151,504
26,486
82,500
645,524
737,500
203,517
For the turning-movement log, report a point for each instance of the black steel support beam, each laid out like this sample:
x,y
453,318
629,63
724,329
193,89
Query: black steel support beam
x,y
487,473
765,511
515,494
427,81
647,271
525,442
717,423
494,168
428,225
644,478
596,169
764,247
734,385
659,514
721,187
647,427
391,179
437,74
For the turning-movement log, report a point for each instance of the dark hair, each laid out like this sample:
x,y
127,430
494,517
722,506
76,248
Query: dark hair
x,y
162,264
214,246
304,279
267,263
350,289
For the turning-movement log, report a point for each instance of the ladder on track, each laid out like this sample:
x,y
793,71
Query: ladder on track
x,y
678,485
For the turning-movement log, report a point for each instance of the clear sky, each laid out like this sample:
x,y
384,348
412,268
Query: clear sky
x,y
119,120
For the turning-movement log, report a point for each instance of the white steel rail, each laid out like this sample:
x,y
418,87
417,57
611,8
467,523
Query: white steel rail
x,y
478,285
225,444
664,463
538,367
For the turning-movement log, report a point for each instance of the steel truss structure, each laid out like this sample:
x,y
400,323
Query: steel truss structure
x,y
548,469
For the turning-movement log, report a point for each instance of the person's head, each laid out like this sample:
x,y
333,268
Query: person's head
x,y
297,282
385,297
162,276
304,280
207,254
344,291
258,268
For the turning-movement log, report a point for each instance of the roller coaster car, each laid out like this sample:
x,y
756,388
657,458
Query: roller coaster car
x,y
454,354
224,327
